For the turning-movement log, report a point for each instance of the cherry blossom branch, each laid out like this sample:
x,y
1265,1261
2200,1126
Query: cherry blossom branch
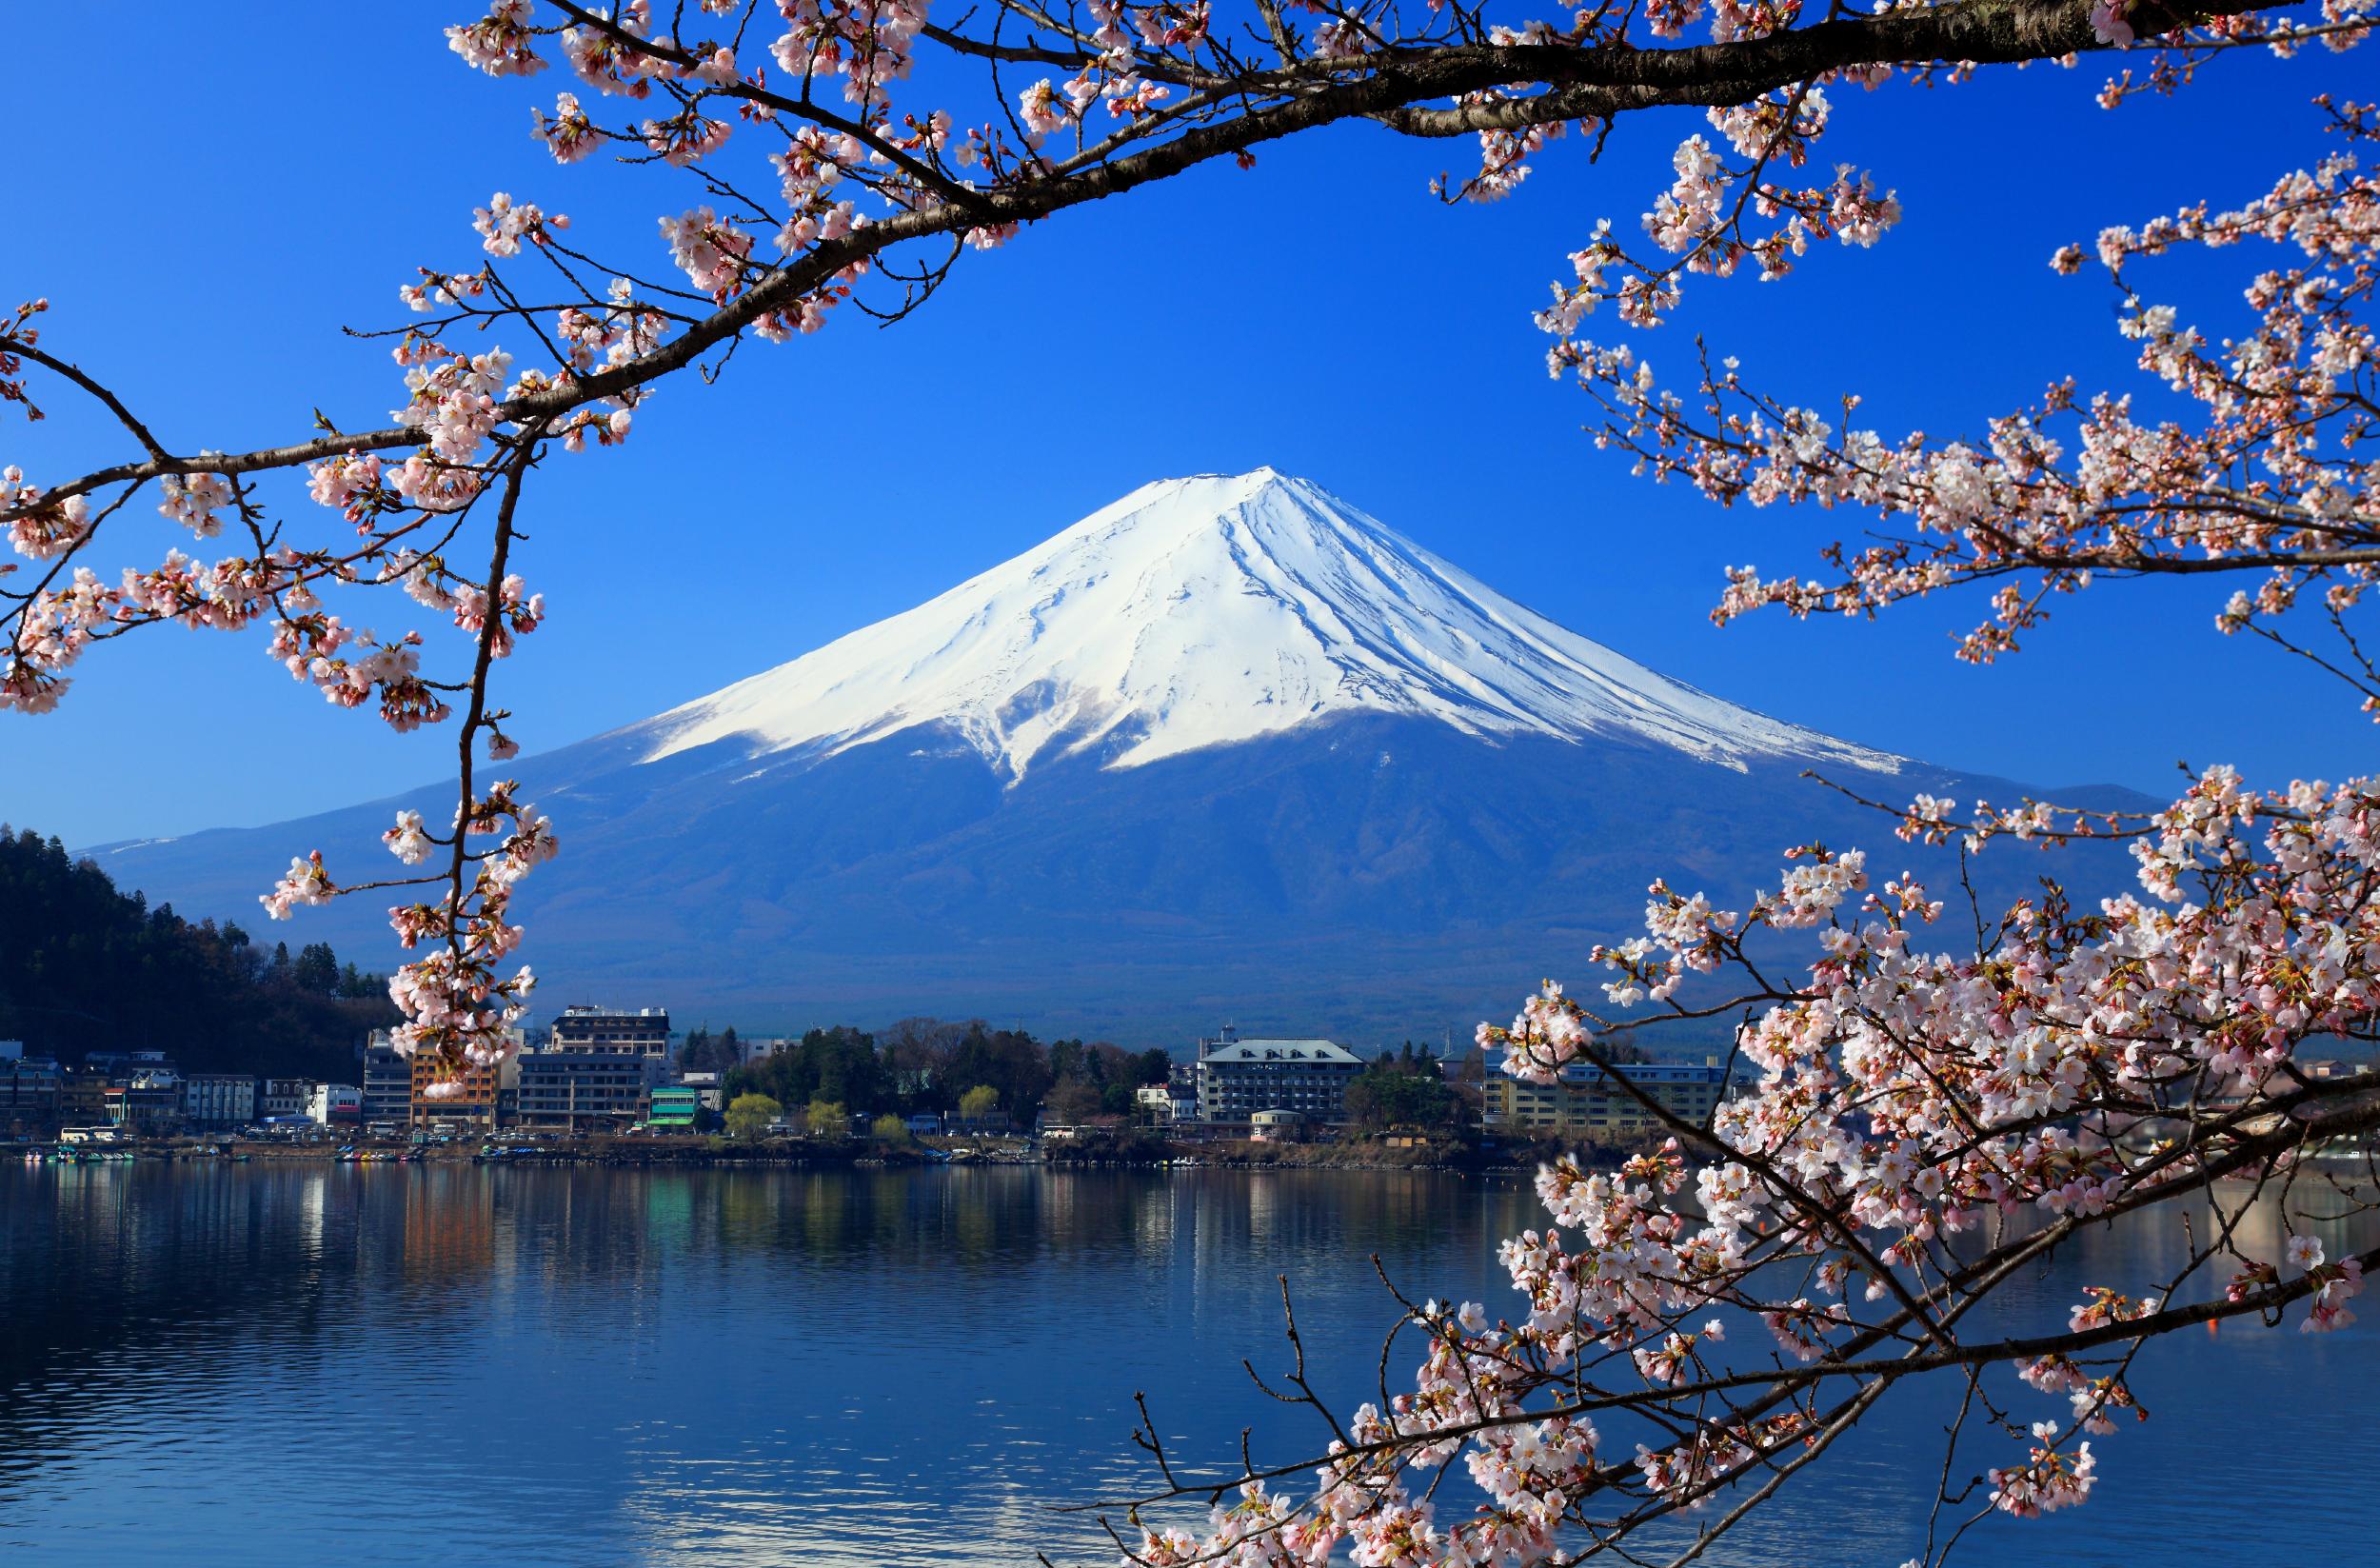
x,y
20,346
1602,84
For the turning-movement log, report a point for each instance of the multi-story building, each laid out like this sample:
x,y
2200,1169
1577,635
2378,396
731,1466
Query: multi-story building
x,y
219,1100
710,1089
32,1089
1238,1078
1182,1087
586,1089
481,1097
148,1100
82,1097
672,1107
335,1105
1585,1104
387,1081
1171,1102
600,1031
284,1097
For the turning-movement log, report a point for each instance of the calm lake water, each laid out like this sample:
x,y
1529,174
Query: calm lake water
x,y
368,1365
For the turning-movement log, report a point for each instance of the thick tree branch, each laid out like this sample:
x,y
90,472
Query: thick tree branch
x,y
1389,88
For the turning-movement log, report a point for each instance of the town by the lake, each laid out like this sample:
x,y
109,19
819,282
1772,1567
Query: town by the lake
x,y
621,1084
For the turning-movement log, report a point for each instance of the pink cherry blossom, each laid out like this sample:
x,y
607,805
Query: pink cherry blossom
x,y
1928,1096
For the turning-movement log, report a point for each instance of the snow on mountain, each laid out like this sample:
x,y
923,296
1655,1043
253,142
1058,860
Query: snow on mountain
x,y
1215,609
1226,747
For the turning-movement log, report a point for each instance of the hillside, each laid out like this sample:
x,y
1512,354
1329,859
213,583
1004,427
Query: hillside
x,y
85,967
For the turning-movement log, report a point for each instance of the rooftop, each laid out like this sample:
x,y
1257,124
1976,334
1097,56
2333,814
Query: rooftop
x,y
1283,1050
1649,1072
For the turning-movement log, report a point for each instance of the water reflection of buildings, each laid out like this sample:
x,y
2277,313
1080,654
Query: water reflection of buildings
x,y
164,1293
1263,1206
676,1368
1058,1206
1153,1208
450,1234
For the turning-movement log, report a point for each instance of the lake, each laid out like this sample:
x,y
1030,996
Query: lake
x,y
260,1365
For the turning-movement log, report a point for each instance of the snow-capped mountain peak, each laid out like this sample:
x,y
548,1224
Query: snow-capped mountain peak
x,y
1212,609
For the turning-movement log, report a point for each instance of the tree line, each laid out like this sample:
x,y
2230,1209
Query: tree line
x,y
929,1067
86,968
1404,1089
970,1071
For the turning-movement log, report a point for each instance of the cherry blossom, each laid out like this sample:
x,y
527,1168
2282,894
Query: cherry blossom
x,y
193,501
504,223
1927,1112
1925,1117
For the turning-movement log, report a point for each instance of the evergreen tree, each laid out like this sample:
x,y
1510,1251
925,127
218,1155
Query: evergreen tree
x,y
316,970
83,967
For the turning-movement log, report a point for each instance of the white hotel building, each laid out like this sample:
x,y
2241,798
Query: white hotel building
x,y
1238,1078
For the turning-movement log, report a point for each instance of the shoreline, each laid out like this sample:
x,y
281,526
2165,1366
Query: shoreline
x,y
713,1153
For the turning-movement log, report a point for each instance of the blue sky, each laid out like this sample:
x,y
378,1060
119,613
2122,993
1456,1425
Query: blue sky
x,y
250,187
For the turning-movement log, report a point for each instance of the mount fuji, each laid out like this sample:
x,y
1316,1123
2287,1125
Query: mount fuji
x,y
1217,610
1226,747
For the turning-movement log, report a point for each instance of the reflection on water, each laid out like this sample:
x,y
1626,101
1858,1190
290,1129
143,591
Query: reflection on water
x,y
244,1364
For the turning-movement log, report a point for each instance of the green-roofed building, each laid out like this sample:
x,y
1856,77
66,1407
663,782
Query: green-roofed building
x,y
674,1106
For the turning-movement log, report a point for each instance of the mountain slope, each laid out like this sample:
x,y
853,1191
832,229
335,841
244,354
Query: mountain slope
x,y
1211,610
1228,748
